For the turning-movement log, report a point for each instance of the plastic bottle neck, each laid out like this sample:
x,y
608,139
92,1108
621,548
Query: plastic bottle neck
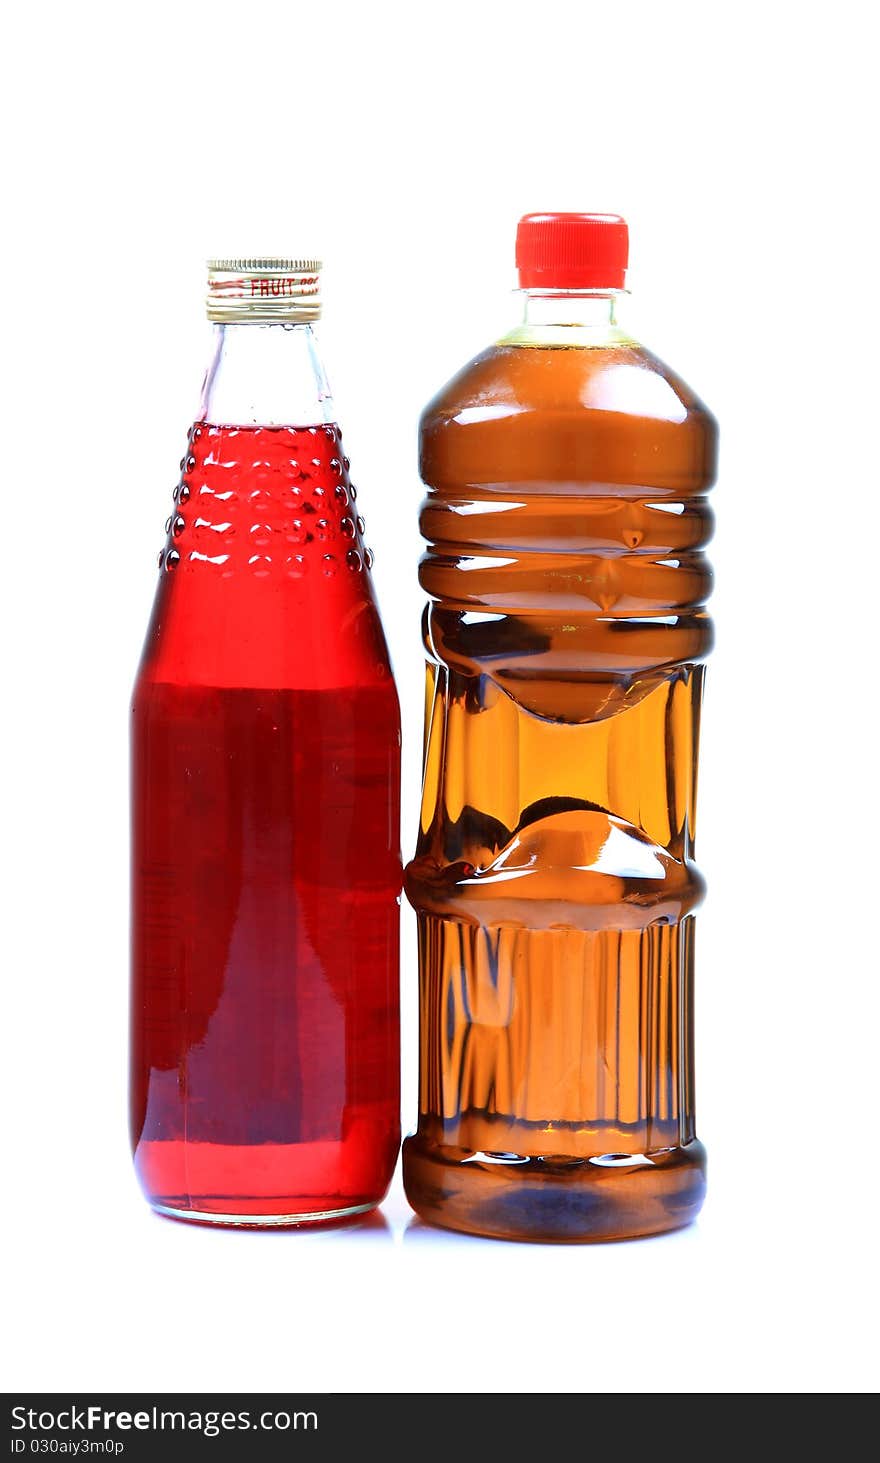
x,y
568,317
267,375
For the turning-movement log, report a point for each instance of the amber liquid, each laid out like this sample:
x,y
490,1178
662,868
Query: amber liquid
x,y
554,878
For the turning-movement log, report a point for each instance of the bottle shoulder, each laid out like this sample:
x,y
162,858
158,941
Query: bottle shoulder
x,y
522,400
624,377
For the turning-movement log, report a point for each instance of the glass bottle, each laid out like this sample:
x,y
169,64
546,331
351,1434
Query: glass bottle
x,y
554,880
265,800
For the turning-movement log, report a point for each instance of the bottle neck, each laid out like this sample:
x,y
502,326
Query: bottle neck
x,y
568,317
265,375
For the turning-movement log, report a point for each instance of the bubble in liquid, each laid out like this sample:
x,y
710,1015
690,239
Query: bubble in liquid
x,y
336,464
197,433
347,527
168,522
323,528
352,491
190,463
179,526
330,565
161,557
369,558
172,559
182,463
329,432
319,493
346,464
341,494
360,524
295,566
353,560
313,431
183,495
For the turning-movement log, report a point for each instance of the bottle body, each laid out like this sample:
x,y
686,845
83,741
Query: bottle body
x,y
265,857
554,879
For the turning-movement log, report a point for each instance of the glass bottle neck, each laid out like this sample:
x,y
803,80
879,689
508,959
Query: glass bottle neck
x,y
266,375
568,317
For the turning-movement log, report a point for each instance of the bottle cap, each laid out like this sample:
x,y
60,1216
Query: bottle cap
x,y
572,251
264,289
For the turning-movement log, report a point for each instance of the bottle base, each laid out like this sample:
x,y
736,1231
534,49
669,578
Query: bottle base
x,y
579,1200
314,1218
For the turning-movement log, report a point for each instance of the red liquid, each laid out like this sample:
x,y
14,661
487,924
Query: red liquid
x,y
266,867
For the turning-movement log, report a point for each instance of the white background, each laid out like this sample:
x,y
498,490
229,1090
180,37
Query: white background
x,y
401,143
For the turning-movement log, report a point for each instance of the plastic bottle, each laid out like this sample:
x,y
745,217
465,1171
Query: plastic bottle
x,y
265,795
554,879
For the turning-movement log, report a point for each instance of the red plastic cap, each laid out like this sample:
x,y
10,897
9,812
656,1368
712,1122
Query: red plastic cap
x,y
574,251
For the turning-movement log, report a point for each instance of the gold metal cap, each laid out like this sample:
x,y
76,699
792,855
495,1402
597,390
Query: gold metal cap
x,y
264,289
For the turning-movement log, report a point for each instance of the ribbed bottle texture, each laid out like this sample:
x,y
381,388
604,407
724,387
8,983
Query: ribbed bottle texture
x,y
554,880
